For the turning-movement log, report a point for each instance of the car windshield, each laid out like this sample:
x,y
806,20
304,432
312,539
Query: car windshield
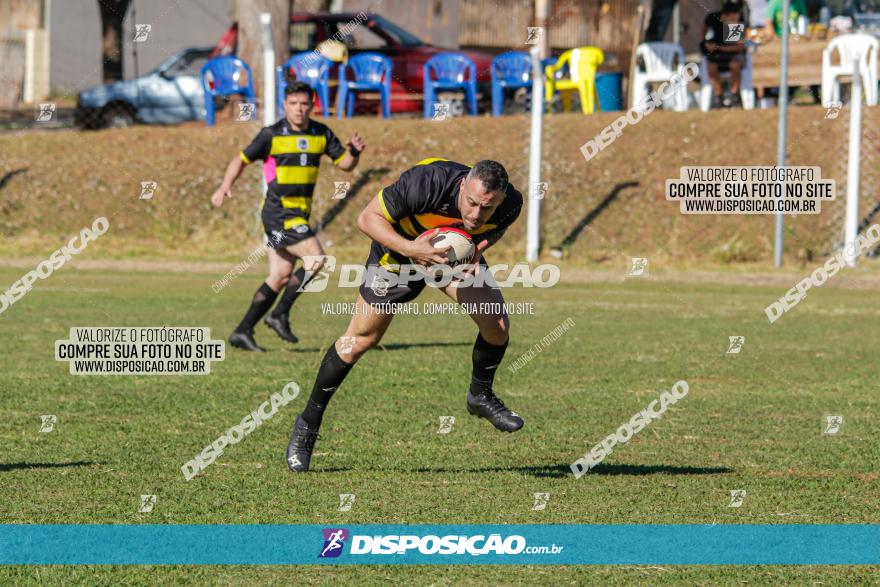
x,y
187,62
398,34
168,62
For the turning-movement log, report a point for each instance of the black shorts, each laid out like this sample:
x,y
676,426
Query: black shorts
x,y
376,288
280,237
722,59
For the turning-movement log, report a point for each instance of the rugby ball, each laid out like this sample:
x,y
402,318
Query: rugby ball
x,y
463,248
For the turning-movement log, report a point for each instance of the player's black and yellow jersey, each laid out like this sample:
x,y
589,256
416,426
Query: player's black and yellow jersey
x,y
291,160
426,196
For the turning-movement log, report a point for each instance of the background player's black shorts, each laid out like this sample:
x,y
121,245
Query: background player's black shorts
x,y
279,237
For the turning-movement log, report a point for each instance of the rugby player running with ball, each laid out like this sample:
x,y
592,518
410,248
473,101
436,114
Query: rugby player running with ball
x,y
436,192
291,151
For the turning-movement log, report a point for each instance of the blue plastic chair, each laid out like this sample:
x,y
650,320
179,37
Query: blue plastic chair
x,y
221,76
510,71
453,71
311,68
372,72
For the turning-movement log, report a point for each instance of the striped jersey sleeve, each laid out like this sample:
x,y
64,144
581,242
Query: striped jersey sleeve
x,y
334,149
259,148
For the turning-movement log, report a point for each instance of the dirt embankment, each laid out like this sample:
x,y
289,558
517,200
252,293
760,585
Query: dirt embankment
x,y
54,183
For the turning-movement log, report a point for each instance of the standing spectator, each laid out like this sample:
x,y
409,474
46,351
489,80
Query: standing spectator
x,y
661,14
775,24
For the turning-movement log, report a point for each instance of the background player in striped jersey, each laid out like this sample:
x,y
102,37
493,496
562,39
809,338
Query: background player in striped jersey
x,y
291,151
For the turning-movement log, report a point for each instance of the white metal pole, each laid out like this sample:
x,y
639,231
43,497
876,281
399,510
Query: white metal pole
x,y
783,128
542,12
676,24
853,168
268,70
268,86
533,230
47,25
30,68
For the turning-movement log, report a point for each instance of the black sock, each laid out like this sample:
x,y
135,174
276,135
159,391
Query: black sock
x,y
330,376
290,293
263,300
486,358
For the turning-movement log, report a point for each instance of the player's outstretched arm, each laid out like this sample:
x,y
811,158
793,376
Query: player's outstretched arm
x,y
233,170
356,144
374,224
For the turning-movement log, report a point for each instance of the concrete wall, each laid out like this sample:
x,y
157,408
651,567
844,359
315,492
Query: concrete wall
x,y
175,26
75,28
74,45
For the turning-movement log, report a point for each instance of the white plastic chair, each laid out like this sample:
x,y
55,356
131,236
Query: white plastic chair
x,y
662,61
746,88
853,47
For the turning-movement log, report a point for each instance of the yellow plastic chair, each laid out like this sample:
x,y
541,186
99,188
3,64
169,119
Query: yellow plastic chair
x,y
582,64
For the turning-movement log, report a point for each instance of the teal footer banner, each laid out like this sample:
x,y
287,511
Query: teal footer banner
x,y
536,544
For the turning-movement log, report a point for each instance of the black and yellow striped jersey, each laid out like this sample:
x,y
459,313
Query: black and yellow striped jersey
x,y
291,160
426,196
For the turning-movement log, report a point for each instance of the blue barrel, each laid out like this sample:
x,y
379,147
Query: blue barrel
x,y
608,88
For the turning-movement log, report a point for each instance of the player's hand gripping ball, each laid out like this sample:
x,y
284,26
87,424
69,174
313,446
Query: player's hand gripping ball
x,y
461,245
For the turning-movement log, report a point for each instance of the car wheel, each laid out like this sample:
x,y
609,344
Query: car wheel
x,y
117,117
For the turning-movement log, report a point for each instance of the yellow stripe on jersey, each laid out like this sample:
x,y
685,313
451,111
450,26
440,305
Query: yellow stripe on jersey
x,y
386,262
338,159
288,174
288,145
298,202
384,207
245,159
431,160
296,221
407,226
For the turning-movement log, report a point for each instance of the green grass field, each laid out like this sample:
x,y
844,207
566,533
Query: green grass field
x,y
751,421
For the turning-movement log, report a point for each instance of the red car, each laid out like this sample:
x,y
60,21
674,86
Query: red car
x,y
379,35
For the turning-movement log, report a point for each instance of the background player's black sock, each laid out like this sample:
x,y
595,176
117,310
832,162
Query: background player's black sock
x,y
263,300
330,376
486,358
290,293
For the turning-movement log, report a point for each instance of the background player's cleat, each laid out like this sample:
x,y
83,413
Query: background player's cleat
x,y
281,326
245,341
299,449
494,410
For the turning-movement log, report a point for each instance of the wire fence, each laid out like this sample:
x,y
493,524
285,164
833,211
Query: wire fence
x,y
869,182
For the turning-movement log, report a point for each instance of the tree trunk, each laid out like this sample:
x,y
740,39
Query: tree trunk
x,y
112,15
250,45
